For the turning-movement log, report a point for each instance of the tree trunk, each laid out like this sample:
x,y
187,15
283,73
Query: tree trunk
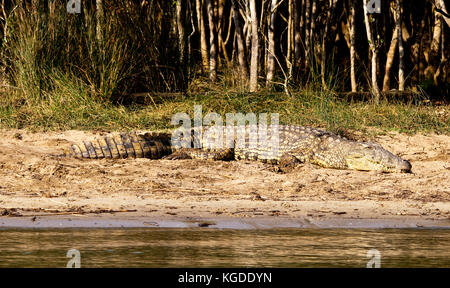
x,y
433,57
352,46
248,31
290,39
312,36
302,17
202,29
307,32
255,48
266,43
436,30
389,60
181,24
297,38
221,22
271,40
212,42
373,49
401,74
188,38
241,51
99,18
391,54
440,72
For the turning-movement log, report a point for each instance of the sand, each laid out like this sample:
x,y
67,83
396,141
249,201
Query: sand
x,y
37,187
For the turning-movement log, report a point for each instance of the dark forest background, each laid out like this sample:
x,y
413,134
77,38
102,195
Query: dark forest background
x,y
306,59
122,47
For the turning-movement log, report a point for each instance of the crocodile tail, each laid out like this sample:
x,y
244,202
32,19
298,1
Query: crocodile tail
x,y
124,145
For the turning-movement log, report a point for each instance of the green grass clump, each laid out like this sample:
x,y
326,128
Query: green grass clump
x,y
72,106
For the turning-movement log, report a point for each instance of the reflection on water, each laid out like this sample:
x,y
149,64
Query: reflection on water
x,y
224,248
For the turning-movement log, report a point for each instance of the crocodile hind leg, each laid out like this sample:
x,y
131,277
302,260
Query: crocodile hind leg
x,y
223,154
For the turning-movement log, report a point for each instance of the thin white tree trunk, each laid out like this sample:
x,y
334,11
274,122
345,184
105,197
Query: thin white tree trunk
x,y
248,31
373,49
99,18
443,60
271,39
433,58
401,73
436,41
255,48
352,46
290,39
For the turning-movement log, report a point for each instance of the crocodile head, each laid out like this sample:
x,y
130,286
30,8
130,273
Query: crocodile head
x,y
371,156
335,152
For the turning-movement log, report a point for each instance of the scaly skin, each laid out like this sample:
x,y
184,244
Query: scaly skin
x,y
296,145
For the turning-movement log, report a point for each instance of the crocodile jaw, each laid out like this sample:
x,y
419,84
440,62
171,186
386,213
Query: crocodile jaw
x,y
368,165
373,157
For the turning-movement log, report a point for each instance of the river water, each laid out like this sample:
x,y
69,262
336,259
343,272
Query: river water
x,y
200,247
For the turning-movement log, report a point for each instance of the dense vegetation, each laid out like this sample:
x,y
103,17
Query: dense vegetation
x,y
299,58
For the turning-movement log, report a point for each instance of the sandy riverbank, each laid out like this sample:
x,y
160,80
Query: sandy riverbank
x,y
34,183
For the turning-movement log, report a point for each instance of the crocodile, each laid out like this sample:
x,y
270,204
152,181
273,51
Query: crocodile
x,y
296,144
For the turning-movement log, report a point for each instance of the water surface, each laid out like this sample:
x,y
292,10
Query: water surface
x,y
224,248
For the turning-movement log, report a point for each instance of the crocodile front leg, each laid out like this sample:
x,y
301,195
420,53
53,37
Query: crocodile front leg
x,y
288,162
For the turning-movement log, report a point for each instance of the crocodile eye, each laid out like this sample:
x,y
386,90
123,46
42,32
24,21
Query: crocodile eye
x,y
357,155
